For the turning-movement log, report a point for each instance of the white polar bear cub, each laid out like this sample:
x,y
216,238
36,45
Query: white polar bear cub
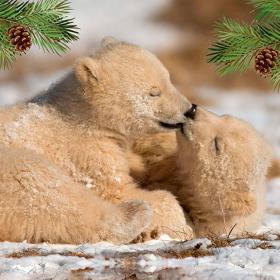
x,y
216,170
64,170
222,164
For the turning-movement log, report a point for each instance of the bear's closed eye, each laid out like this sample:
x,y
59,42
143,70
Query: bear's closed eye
x,y
155,93
217,145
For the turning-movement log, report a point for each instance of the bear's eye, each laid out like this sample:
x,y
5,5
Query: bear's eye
x,y
155,93
217,145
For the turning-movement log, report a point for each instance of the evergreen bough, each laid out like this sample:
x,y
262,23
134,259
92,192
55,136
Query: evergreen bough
x,y
50,28
239,43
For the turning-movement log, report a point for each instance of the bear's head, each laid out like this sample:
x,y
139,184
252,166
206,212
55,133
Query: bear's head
x,y
221,153
130,90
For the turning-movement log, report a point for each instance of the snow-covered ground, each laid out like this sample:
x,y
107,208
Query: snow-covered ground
x,y
242,259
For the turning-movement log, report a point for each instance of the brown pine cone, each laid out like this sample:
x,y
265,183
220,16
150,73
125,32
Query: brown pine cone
x,y
20,38
265,60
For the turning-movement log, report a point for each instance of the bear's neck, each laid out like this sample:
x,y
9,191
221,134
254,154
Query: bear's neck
x,y
117,139
69,100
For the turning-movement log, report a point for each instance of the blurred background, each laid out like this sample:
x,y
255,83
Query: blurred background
x,y
179,32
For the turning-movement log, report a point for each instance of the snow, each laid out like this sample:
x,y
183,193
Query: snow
x,y
106,261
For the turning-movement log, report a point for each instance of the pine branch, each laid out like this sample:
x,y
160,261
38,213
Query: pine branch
x,y
50,29
236,46
240,44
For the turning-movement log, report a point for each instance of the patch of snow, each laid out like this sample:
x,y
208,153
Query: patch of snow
x,y
271,223
106,261
273,188
272,218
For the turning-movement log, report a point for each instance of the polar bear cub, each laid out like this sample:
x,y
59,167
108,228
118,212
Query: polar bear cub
x,y
217,171
64,173
222,164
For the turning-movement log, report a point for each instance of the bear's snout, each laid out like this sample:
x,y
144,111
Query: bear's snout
x,y
192,112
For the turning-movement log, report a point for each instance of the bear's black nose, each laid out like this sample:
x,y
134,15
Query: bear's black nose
x,y
192,112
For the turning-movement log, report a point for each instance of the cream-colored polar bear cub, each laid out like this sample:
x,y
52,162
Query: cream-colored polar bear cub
x,y
77,135
217,172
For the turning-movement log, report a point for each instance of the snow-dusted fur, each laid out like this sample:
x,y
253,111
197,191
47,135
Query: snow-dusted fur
x,y
64,173
217,173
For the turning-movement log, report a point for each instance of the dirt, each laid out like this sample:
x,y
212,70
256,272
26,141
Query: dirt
x,y
264,246
194,252
36,252
25,253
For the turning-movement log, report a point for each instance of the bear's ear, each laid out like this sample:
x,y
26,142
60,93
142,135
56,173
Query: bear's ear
x,y
86,69
109,40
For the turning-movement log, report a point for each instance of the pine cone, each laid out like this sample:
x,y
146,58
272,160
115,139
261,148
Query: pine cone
x,y
20,38
265,61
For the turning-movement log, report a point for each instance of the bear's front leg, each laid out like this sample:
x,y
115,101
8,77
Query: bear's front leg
x,y
108,168
168,216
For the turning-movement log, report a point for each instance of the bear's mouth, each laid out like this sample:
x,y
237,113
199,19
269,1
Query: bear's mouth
x,y
171,125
